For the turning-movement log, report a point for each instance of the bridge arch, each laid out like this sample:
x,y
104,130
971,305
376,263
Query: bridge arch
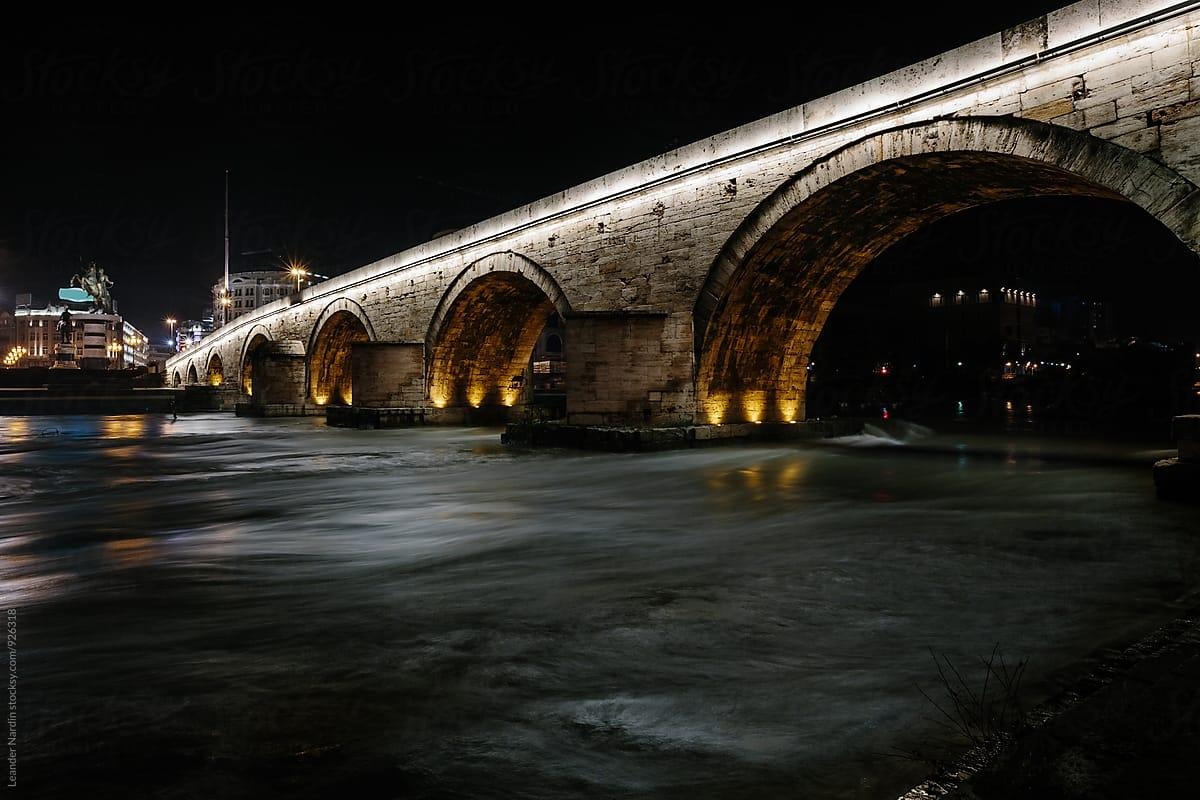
x,y
484,330
342,323
259,335
192,377
176,379
771,288
215,371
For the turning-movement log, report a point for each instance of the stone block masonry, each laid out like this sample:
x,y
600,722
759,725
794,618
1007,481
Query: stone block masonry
x,y
692,285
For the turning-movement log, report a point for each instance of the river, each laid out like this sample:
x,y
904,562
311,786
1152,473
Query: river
x,y
219,607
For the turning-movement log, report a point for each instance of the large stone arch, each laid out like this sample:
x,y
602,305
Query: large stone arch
x,y
340,324
257,337
192,376
484,329
176,379
775,281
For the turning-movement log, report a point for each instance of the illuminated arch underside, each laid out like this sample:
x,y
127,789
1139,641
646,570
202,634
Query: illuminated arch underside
x,y
754,357
487,338
216,370
329,368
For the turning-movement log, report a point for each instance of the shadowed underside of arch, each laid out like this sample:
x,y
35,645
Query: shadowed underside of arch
x,y
772,288
329,359
253,343
192,377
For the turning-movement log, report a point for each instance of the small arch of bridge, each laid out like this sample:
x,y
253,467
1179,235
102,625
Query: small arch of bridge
x,y
342,323
484,329
258,336
215,370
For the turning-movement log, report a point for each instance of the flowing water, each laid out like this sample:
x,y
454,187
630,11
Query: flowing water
x,y
217,607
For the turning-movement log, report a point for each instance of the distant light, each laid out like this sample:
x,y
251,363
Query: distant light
x,y
960,363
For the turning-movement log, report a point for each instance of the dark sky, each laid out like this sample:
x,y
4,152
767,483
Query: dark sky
x,y
348,140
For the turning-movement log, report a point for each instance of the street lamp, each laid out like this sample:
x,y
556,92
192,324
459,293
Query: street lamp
x,y
297,272
171,322
225,303
114,352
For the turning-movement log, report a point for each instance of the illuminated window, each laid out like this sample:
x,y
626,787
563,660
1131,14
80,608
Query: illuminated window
x,y
960,297
936,300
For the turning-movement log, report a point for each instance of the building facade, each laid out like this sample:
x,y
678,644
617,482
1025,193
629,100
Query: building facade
x,y
248,291
93,340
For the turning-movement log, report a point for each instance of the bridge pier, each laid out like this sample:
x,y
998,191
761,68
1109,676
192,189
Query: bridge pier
x,y
387,382
1179,478
277,385
629,368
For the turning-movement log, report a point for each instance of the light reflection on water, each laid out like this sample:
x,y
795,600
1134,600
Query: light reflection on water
x,y
272,608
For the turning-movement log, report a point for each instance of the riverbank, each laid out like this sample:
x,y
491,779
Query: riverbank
x,y
1129,726
41,392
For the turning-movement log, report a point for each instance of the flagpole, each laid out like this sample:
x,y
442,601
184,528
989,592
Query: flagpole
x,y
227,230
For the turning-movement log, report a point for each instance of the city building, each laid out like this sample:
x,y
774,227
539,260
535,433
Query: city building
x,y
96,337
7,331
251,289
189,332
73,332
982,325
136,346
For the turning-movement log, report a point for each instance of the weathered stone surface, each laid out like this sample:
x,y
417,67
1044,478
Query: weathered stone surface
x,y
1144,140
709,242
387,374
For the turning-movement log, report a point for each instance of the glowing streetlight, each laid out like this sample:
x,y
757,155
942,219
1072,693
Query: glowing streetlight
x,y
226,302
297,271
171,322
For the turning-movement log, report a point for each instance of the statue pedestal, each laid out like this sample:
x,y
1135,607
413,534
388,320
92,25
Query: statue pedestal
x,y
64,356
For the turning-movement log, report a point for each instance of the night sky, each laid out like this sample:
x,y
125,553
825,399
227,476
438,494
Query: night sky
x,y
350,140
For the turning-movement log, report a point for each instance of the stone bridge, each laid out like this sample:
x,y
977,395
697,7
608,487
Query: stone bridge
x,y
691,287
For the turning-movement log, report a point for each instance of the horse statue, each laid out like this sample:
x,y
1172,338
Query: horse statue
x,y
95,282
